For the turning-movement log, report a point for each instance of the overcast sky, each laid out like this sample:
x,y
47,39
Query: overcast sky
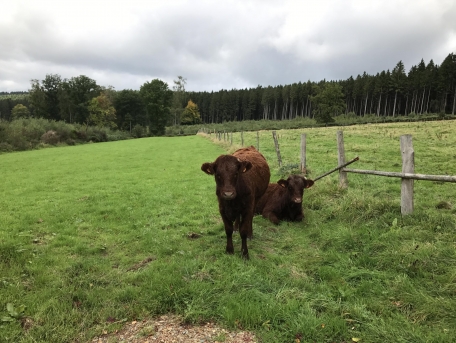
x,y
222,44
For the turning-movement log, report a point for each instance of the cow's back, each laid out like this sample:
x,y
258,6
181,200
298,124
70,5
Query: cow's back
x,y
259,175
270,198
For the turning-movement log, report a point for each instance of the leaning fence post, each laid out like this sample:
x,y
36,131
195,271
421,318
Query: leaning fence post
x,y
258,141
276,143
408,166
303,154
343,180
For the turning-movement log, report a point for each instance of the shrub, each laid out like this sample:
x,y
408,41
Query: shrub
x,y
138,131
50,137
5,147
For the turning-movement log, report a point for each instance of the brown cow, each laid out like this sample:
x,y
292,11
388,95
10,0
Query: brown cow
x,y
241,179
283,200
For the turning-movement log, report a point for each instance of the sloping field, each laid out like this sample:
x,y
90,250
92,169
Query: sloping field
x,y
93,236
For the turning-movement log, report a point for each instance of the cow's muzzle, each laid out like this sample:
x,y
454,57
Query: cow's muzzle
x,y
228,195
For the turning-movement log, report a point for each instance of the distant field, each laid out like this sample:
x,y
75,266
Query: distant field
x,y
13,96
95,235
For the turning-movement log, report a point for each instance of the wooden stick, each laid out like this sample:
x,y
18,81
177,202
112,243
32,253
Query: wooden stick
x,y
408,166
444,178
258,140
343,179
337,168
303,153
276,143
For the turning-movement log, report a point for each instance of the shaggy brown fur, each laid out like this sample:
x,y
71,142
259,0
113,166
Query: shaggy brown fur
x,y
241,179
283,200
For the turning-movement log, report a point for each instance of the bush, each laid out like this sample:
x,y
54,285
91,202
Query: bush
x,y
97,134
50,137
138,131
5,147
32,133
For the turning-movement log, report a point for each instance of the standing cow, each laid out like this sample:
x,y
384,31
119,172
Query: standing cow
x,y
283,200
241,179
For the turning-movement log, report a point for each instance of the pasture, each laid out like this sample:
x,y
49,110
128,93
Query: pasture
x,y
96,235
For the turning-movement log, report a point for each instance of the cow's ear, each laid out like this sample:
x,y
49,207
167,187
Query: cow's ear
x,y
309,183
245,166
208,168
283,183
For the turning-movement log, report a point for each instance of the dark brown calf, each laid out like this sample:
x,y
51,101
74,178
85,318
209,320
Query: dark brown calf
x,y
283,200
241,179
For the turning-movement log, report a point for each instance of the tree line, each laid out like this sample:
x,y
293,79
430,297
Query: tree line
x,y
80,100
425,88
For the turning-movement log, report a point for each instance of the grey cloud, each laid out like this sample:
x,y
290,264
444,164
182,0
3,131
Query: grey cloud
x,y
225,45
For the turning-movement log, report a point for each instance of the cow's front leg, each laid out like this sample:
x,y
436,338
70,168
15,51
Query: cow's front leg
x,y
245,230
271,216
237,223
229,235
299,217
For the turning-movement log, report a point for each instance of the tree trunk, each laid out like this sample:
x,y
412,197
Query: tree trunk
x,y
454,100
422,100
406,104
412,106
394,107
427,101
365,103
386,104
378,107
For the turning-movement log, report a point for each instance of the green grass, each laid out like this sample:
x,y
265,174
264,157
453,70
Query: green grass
x,y
76,223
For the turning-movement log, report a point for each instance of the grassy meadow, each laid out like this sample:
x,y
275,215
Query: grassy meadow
x,y
93,236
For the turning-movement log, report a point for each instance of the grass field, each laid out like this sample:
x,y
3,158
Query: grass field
x,y
95,235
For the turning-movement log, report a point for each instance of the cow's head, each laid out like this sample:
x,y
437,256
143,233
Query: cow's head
x,y
295,185
226,170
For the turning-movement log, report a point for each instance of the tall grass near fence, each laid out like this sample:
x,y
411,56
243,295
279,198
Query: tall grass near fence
x,y
93,236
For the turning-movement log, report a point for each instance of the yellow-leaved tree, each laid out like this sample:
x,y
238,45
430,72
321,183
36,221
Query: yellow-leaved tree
x,y
190,115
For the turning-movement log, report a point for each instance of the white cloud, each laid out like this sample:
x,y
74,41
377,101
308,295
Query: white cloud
x,y
215,44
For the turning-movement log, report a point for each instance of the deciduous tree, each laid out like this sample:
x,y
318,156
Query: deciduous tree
x,y
157,99
191,115
101,112
20,111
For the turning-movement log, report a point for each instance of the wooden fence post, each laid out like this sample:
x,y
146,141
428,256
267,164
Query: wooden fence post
x,y
408,166
343,180
242,138
303,154
276,143
258,141
231,141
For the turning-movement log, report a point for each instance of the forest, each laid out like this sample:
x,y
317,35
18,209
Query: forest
x,y
425,88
